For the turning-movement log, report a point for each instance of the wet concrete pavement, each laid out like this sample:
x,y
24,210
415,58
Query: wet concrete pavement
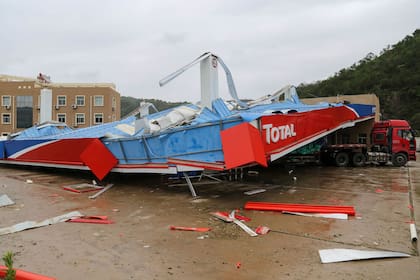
x,y
140,245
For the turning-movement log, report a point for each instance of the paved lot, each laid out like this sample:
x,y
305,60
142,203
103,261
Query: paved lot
x,y
140,246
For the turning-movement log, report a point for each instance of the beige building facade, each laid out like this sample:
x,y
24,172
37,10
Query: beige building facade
x,y
25,102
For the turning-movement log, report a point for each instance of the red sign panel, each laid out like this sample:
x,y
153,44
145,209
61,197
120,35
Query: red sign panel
x,y
280,132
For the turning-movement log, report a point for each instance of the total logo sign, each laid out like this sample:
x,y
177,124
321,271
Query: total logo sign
x,y
273,134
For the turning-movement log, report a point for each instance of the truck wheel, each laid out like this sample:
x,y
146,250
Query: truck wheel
x,y
342,159
358,159
399,159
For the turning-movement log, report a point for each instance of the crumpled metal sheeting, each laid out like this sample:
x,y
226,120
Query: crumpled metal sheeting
x,y
32,224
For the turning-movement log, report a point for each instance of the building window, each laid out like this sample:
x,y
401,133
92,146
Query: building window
x,y
80,118
80,100
6,100
99,118
61,118
98,100
24,111
6,119
61,100
113,117
114,102
5,133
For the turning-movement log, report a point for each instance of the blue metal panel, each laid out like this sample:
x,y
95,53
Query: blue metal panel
x,y
15,146
363,110
221,109
2,150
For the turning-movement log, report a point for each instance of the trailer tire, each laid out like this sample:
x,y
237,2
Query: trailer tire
x,y
399,159
342,159
358,159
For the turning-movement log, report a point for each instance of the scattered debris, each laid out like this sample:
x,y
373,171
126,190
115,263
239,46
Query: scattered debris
x,y
29,181
5,200
91,220
238,265
379,190
343,255
107,187
203,236
254,191
413,232
189,228
82,188
224,216
241,225
302,208
33,224
232,217
338,216
261,230
22,274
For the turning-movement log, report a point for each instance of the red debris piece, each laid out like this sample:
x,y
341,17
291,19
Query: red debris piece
x,y
98,158
91,220
225,215
82,188
238,265
262,230
189,228
302,208
25,275
379,191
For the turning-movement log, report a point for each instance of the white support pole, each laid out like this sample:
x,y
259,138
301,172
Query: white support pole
x,y
45,105
209,81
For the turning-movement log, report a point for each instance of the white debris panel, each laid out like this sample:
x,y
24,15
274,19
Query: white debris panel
x,y
32,224
344,255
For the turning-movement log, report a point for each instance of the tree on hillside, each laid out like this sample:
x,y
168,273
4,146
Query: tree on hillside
x,y
394,76
128,104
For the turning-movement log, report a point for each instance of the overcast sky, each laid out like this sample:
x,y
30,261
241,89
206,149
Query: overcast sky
x,y
133,44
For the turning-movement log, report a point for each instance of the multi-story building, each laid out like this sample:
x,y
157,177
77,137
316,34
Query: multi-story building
x,y
25,102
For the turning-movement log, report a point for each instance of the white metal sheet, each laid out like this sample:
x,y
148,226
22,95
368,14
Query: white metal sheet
x,y
5,200
344,255
32,224
339,216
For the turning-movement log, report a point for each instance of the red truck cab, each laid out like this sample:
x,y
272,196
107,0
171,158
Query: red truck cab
x,y
397,138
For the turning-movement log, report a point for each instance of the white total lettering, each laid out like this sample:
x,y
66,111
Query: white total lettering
x,y
267,132
292,130
275,134
282,132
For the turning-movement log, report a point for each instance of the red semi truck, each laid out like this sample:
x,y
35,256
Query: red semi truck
x,y
390,141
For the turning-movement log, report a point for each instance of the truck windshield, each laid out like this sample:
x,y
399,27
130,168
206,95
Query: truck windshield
x,y
406,134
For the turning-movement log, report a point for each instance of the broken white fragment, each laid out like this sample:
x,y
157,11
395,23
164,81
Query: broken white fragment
x,y
254,191
344,255
242,225
29,181
339,216
101,191
33,224
413,232
5,200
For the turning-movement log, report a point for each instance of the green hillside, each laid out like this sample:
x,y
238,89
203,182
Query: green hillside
x,y
128,104
394,76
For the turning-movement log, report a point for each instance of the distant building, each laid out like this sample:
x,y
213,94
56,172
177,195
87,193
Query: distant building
x,y
25,102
